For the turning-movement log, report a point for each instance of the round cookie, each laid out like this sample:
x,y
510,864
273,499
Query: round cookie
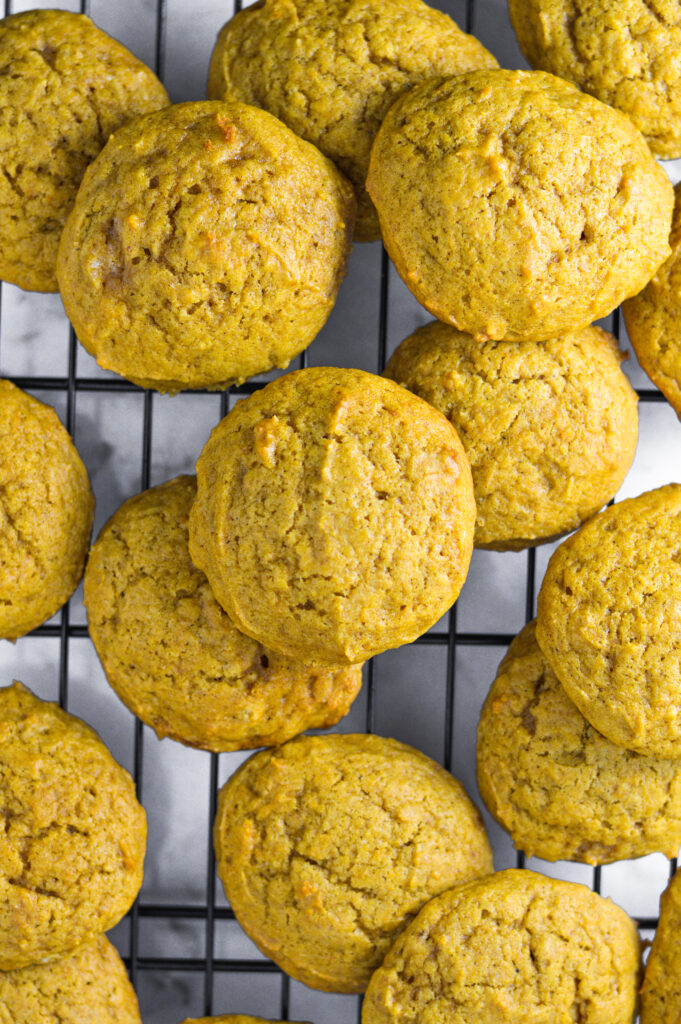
x,y
74,833
334,515
64,87
624,52
207,244
608,617
514,947
661,989
331,69
329,845
561,789
172,654
46,513
653,317
548,206
88,987
550,428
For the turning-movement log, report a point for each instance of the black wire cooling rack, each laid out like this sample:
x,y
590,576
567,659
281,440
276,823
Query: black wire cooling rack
x,y
449,639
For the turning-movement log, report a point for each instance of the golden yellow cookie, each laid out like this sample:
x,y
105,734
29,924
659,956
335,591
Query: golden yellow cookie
x,y
334,515
329,845
653,320
609,621
172,654
661,990
207,244
516,207
46,512
87,987
624,52
73,833
550,428
515,947
331,69
230,1018
64,87
561,789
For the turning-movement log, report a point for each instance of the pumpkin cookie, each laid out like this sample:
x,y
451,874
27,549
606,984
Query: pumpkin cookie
x,y
516,207
334,515
653,320
624,52
231,1018
46,512
74,834
329,845
514,947
608,618
331,69
64,87
88,987
661,991
561,789
207,244
550,428
172,654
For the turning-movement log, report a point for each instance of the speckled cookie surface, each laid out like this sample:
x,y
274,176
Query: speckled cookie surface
x,y
516,207
609,621
653,319
514,947
171,652
88,987
625,52
550,428
327,846
206,245
74,834
331,69
334,515
64,87
661,990
561,789
46,512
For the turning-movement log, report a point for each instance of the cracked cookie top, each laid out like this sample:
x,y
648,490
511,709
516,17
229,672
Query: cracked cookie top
x,y
624,52
207,244
562,790
64,87
514,947
331,69
334,515
329,845
87,987
73,833
173,655
550,428
609,621
46,513
516,207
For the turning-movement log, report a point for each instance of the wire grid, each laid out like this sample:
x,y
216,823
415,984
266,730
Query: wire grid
x,y
450,639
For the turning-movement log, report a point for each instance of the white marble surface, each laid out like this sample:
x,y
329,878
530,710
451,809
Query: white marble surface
x,y
410,684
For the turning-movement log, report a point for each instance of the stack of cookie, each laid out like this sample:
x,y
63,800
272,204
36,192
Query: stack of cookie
x,y
71,860
579,751
332,519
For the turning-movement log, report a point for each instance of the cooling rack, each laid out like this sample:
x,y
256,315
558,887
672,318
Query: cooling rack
x,y
185,952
